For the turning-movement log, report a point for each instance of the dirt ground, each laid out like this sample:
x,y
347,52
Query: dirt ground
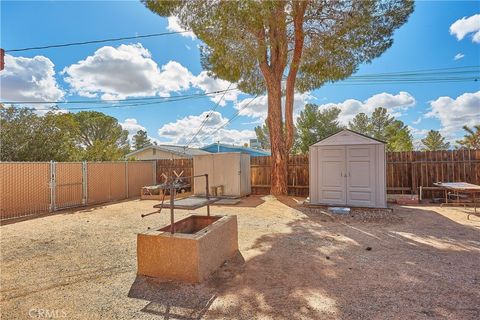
x,y
294,263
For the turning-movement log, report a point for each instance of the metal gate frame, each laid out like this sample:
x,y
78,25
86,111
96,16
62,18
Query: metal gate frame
x,y
53,184
75,192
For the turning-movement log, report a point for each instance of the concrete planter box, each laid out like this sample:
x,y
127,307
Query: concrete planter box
x,y
198,247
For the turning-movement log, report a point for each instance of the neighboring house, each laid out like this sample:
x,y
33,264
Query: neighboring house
x,y
219,147
254,143
164,152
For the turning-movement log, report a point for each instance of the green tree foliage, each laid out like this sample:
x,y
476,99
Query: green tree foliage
x,y
263,136
101,137
257,44
87,135
361,123
471,140
434,141
141,140
382,126
25,136
314,125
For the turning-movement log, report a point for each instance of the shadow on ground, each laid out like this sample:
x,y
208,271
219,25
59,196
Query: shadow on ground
x,y
422,265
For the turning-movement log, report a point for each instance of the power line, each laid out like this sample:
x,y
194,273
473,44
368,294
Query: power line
x,y
351,83
95,41
115,100
418,71
208,115
392,77
174,99
122,105
233,117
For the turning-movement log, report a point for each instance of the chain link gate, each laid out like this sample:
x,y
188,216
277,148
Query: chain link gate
x,y
32,188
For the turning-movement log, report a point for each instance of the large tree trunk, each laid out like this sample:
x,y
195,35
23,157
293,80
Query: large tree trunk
x,y
272,72
298,16
279,157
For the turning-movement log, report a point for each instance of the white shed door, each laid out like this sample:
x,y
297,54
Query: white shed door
x,y
361,175
331,166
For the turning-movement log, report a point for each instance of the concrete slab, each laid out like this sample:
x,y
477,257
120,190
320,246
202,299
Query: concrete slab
x,y
227,202
189,203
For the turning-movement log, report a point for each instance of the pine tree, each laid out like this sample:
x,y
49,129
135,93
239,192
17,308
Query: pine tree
x,y
141,140
434,141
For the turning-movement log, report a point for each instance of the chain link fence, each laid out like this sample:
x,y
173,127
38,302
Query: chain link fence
x,y
31,188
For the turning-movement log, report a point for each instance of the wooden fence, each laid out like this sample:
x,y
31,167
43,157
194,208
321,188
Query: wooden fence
x,y
297,179
170,167
406,171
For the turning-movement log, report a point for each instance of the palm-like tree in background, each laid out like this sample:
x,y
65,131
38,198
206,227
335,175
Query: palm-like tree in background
x,y
472,139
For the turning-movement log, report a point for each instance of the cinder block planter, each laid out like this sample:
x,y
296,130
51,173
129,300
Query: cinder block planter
x,y
198,247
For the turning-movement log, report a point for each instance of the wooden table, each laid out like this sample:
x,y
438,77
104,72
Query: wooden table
x,y
459,187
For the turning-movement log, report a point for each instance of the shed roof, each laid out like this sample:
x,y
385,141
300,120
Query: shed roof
x,y
347,137
178,150
221,147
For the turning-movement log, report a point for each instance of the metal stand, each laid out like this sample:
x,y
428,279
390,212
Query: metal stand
x,y
172,186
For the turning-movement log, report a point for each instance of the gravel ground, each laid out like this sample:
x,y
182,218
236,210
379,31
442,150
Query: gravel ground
x,y
295,263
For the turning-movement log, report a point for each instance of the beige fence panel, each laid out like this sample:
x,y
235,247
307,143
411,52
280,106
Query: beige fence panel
x,y
68,184
106,181
140,174
24,189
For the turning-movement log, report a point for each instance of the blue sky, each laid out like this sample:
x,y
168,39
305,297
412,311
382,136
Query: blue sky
x,y
170,65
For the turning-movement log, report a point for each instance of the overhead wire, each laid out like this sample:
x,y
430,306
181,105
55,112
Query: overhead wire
x,y
233,117
70,44
137,102
208,115
116,106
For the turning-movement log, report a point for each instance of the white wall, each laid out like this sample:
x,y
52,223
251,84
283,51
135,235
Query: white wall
x,y
379,171
229,169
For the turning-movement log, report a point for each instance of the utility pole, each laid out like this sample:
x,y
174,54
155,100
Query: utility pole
x,y
2,59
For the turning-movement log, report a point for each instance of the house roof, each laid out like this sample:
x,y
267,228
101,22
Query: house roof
x,y
347,136
236,148
178,150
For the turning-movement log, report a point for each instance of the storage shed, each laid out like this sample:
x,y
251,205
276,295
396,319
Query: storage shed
x,y
229,170
348,169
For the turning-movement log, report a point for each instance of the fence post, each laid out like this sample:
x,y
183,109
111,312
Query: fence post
x,y
154,163
52,186
126,177
84,183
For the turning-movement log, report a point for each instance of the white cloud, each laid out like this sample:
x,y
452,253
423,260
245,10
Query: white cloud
x,y
209,84
464,26
125,71
29,79
130,71
174,26
458,56
418,133
455,113
181,131
419,119
395,104
132,126
258,108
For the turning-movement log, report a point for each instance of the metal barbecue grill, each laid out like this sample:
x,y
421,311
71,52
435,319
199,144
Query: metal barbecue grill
x,y
189,203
